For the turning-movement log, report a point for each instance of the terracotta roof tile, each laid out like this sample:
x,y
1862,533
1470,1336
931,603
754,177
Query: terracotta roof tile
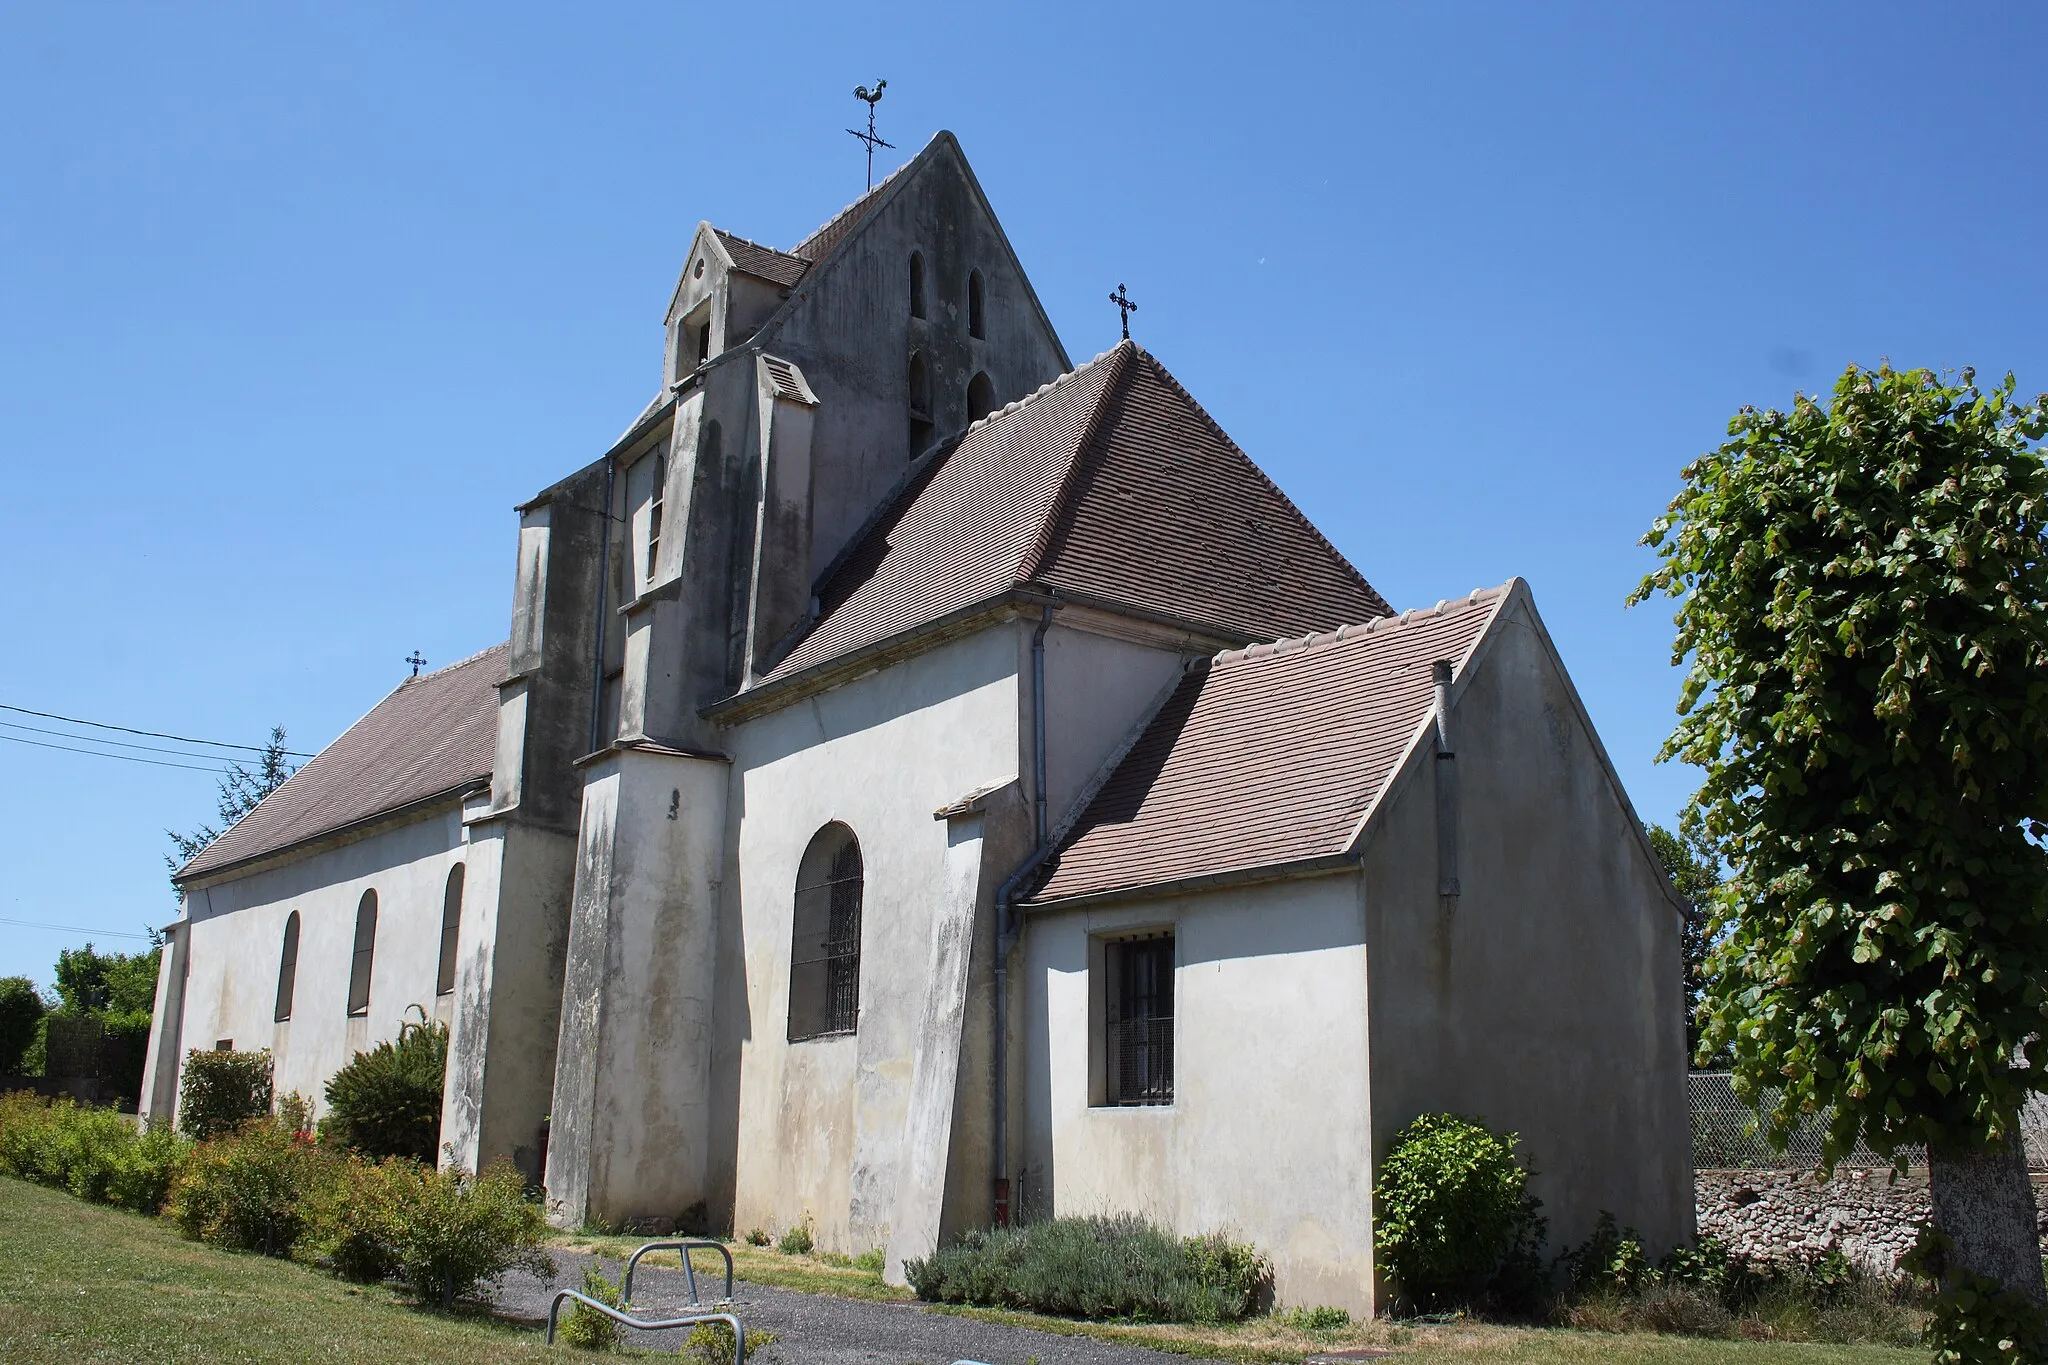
x,y
777,267
436,734
1267,756
1111,483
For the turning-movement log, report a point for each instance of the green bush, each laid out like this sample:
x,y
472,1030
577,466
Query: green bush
x,y
798,1240
711,1343
1096,1268
387,1101
248,1190
222,1090
349,1221
1319,1319
591,1330
1453,1218
96,1154
453,1231
22,1007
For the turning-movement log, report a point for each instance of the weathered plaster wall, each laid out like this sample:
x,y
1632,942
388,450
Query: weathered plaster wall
x,y
1099,689
1548,1002
816,1128
1265,1135
237,932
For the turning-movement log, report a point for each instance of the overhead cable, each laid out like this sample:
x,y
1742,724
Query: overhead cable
x,y
149,734
125,758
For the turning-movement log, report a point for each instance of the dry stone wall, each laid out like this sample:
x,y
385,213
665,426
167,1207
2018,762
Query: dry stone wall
x,y
1871,1215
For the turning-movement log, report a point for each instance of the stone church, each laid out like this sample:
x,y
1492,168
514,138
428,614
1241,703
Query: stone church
x,y
929,782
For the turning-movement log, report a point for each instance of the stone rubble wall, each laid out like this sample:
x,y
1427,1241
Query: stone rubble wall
x,y
1873,1216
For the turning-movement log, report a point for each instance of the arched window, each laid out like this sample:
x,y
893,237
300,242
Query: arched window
x,y
451,930
287,968
366,949
824,952
974,320
918,383
916,285
981,398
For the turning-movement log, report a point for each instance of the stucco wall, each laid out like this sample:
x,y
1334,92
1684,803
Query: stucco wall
x,y
1265,1135
1549,1001
1099,689
237,933
816,1126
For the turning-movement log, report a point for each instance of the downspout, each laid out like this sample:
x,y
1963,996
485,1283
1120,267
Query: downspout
x,y
604,579
1446,793
1009,928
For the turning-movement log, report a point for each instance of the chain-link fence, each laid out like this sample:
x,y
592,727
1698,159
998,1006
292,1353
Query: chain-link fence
x,y
1727,1136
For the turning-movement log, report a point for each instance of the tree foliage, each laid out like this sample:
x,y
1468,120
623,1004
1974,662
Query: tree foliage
x,y
1452,1212
1695,870
1863,597
243,785
21,1008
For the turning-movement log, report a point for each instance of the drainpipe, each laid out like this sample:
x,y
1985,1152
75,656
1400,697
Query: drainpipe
x,y
1009,928
1446,791
604,579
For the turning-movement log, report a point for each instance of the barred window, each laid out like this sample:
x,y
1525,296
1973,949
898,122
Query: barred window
x,y
824,952
366,950
287,969
451,930
1138,1009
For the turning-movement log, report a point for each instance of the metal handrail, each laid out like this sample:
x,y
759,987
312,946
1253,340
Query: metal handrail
x,y
739,1331
685,1247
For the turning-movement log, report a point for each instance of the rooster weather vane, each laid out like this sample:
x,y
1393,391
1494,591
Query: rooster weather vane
x,y
872,98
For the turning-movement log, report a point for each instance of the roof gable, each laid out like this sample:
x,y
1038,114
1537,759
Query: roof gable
x,y
435,735
1109,485
1269,756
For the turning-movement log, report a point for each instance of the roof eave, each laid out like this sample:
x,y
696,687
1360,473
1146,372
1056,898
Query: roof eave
x,y
187,880
1297,869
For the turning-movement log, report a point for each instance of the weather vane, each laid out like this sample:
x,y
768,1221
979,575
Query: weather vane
x,y
873,98
417,660
1124,309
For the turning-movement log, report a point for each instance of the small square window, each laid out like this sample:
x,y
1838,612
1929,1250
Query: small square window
x,y
1137,1000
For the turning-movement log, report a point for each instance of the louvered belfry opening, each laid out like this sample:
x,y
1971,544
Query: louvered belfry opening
x,y
824,957
1139,1046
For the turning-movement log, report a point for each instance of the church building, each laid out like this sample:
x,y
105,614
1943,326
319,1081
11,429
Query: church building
x,y
928,783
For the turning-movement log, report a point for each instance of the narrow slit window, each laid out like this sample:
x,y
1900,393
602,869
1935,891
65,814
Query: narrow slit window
x,y
975,325
654,510
287,968
917,381
1139,1014
451,930
916,285
366,951
824,956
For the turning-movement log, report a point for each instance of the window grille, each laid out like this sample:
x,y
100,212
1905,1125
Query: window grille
x,y
451,930
824,960
287,969
366,948
1139,1046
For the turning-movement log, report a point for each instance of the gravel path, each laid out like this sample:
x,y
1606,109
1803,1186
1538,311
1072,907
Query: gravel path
x,y
817,1329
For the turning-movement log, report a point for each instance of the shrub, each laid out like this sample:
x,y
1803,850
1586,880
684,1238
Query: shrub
x,y
1096,1268
387,1101
248,1191
758,1237
453,1231
96,1154
295,1114
1453,1212
22,1007
1611,1259
711,1343
591,1330
1320,1319
349,1220
220,1091
798,1240
874,1260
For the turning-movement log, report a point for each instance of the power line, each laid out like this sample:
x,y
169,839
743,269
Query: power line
x,y
117,743
125,758
73,929
148,734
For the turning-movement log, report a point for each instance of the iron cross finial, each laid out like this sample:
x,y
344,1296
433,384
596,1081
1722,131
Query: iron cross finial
x,y
417,660
872,98
1124,309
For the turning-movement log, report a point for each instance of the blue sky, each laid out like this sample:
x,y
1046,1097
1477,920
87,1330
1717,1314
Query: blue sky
x,y
297,301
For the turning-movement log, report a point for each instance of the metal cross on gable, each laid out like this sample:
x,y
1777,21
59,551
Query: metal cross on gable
x,y
1125,308
872,97
417,660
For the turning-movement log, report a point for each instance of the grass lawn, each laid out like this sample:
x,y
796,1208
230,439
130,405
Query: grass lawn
x,y
1268,1340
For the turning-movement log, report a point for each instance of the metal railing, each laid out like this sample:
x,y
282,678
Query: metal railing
x,y
1727,1135
739,1331
684,1247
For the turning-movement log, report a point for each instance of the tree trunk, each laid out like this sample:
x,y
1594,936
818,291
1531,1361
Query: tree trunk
x,y
1984,1201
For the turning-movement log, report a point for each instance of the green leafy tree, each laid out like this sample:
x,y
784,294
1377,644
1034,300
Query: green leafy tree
x,y
22,1007
1689,860
1863,598
242,788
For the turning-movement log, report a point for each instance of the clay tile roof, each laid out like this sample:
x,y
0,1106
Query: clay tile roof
x,y
840,225
777,267
1267,756
1110,483
434,736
